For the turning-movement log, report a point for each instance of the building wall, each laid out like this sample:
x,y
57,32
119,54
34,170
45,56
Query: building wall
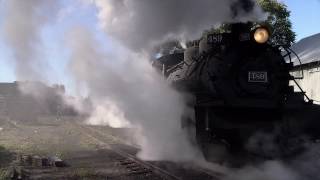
x,y
310,83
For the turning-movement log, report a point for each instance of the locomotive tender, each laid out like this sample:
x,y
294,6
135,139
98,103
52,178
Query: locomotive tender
x,y
240,85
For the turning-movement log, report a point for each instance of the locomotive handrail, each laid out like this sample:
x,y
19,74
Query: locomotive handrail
x,y
184,62
305,95
175,66
289,51
301,69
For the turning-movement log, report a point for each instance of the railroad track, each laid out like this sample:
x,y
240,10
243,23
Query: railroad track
x,y
130,162
150,170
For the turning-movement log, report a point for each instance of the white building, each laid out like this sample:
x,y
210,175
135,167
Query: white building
x,y
311,79
308,50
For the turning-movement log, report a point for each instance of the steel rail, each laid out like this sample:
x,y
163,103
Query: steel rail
x,y
161,172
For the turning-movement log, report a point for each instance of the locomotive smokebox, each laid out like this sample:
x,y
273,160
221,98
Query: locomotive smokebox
x,y
240,29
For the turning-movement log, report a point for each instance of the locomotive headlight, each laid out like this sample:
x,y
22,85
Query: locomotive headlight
x,y
261,35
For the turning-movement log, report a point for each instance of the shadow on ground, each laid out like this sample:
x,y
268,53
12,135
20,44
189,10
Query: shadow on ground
x,y
5,157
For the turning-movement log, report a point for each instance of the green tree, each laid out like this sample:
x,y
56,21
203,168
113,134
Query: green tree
x,y
279,22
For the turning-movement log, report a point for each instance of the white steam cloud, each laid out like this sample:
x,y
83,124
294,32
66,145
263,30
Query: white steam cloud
x,y
108,114
303,167
141,24
128,83
22,25
270,170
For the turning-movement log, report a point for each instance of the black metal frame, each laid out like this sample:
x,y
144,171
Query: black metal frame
x,y
289,51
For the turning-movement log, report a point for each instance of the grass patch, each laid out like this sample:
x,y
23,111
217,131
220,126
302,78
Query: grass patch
x,y
84,174
4,174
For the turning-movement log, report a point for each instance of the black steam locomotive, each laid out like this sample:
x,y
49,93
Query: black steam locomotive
x,y
241,88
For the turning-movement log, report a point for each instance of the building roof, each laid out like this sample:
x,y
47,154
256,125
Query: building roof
x,y
308,50
7,89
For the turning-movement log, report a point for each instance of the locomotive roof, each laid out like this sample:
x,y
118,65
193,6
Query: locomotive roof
x,y
171,59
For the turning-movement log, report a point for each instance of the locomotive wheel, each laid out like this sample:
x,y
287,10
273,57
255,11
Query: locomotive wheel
x,y
291,139
281,147
285,140
187,123
213,149
233,150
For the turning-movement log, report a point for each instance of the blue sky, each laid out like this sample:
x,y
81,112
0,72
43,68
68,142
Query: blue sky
x,y
304,16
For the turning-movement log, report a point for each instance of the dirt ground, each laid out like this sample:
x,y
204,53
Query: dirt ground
x,y
63,139
88,153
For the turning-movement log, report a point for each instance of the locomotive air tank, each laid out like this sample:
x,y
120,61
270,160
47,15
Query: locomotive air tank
x,y
240,83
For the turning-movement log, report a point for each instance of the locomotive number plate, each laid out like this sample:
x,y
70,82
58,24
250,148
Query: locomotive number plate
x,y
258,76
214,39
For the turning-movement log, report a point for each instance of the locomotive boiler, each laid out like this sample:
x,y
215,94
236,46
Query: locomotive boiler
x,y
240,86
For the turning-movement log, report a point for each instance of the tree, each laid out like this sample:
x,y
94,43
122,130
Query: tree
x,y
279,22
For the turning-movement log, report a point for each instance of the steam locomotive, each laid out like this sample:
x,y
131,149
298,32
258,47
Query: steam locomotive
x,y
240,84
